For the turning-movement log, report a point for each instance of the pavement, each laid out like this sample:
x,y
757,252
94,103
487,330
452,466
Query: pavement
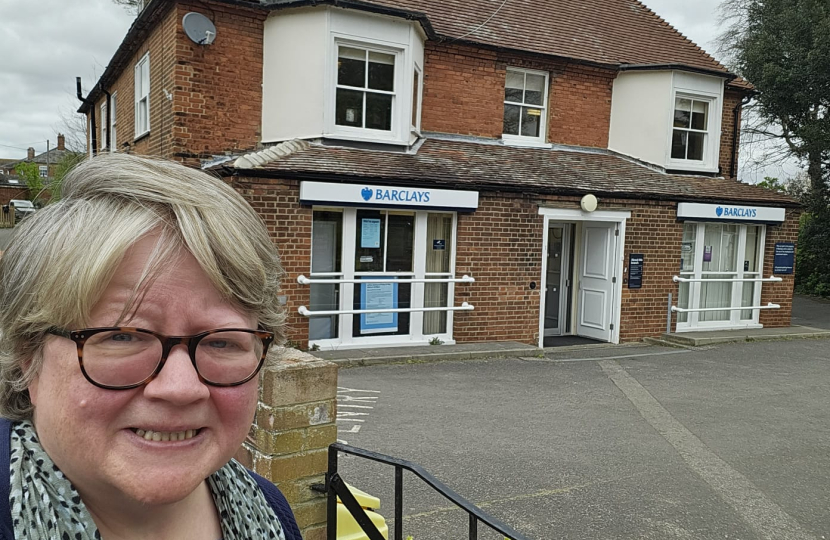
x,y
717,442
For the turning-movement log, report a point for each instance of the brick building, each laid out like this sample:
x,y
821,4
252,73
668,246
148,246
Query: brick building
x,y
579,164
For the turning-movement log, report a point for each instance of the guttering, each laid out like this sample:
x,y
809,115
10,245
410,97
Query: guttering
x,y
93,138
679,67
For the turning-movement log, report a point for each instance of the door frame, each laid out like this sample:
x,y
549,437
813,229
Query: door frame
x,y
619,217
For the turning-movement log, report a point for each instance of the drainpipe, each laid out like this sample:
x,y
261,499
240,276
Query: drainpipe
x,y
109,112
735,127
93,141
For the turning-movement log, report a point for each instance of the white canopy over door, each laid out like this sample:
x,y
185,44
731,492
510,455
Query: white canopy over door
x,y
596,281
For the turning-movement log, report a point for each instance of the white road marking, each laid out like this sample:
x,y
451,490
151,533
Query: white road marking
x,y
349,413
355,429
344,389
354,406
359,399
350,420
768,519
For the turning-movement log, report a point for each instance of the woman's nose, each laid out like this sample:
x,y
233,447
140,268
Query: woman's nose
x,y
177,382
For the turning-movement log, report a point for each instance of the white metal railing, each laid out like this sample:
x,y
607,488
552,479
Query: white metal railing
x,y
677,279
771,279
305,312
302,280
770,305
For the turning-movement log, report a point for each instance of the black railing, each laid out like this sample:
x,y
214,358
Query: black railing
x,y
336,487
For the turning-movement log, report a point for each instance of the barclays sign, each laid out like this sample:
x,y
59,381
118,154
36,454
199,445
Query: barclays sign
x,y
734,213
387,196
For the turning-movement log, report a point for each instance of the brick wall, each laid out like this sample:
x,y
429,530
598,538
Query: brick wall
x,y
215,90
464,94
731,99
8,193
779,293
293,427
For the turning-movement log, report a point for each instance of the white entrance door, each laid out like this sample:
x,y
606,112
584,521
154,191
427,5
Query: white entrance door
x,y
596,281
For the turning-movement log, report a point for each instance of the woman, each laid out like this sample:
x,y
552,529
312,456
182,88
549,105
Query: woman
x,y
118,430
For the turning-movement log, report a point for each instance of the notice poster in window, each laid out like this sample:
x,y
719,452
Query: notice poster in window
x,y
370,233
378,296
707,253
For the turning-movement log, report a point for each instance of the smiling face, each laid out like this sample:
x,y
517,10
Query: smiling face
x,y
153,444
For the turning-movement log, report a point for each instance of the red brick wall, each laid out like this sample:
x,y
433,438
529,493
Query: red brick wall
x,y
779,293
731,99
464,94
8,193
216,90
500,245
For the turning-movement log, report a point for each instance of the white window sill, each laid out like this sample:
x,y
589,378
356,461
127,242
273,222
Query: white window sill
x,y
367,138
508,140
691,166
140,136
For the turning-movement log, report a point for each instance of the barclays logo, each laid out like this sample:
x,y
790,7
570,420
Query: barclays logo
x,y
719,211
395,195
736,212
366,193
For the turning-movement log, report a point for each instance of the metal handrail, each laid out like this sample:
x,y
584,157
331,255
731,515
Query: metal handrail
x,y
302,280
771,279
305,312
335,486
770,305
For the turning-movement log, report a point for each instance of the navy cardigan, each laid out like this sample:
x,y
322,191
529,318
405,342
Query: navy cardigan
x,y
273,495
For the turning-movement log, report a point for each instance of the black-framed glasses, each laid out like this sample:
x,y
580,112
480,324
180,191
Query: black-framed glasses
x,y
121,357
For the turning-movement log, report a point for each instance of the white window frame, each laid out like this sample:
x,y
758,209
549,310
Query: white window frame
x,y
43,171
543,121
693,322
142,98
711,137
400,115
417,99
113,118
104,121
346,340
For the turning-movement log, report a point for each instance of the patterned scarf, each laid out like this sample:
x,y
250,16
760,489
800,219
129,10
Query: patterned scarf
x,y
44,503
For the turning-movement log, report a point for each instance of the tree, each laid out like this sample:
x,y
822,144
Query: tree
x,y
133,6
783,48
30,173
66,164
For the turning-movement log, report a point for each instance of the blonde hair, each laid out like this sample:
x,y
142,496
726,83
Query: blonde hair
x,y
62,258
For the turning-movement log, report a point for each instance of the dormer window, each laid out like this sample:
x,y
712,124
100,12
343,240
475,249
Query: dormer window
x,y
365,88
690,128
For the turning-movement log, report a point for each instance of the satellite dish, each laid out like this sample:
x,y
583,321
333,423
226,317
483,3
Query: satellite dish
x,y
199,28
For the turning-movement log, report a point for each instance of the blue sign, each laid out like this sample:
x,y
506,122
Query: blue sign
x,y
635,270
378,296
784,258
439,245
396,195
370,233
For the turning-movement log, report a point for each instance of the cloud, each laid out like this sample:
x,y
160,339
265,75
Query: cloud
x,y
45,45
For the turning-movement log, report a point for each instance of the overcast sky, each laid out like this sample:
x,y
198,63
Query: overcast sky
x,y
45,44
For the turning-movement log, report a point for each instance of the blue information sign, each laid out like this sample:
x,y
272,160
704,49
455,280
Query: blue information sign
x,y
439,244
784,258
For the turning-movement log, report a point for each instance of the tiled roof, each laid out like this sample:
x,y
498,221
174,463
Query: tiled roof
x,y
489,166
613,32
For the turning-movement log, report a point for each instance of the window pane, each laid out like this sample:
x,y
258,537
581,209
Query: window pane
x,y
371,225
416,97
716,295
399,247
711,247
404,292
747,296
678,145
687,248
514,86
349,109
439,242
696,145
682,111
683,302
535,90
381,71
729,248
351,67
753,239
699,115
435,295
324,297
379,111
530,121
511,119
325,241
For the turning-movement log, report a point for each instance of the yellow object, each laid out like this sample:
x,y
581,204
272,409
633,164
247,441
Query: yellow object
x,y
347,527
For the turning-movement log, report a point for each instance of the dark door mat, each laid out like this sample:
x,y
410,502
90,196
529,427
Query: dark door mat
x,y
569,341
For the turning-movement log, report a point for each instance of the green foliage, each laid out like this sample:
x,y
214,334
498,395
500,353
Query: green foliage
x,y
784,50
812,269
30,173
435,341
67,162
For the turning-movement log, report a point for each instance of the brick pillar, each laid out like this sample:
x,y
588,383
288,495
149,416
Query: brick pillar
x,y
294,425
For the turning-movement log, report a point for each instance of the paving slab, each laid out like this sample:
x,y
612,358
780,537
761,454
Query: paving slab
x,y
697,339
427,353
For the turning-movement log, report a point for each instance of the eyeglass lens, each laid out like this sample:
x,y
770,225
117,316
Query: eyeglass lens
x,y
125,357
